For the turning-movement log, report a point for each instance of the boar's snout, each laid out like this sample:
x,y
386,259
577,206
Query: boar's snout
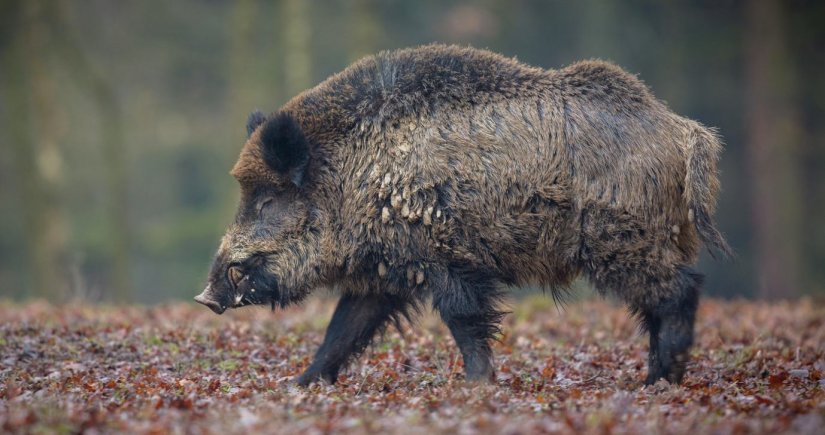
x,y
205,298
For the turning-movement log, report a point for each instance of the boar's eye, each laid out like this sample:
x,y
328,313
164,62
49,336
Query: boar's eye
x,y
265,207
234,275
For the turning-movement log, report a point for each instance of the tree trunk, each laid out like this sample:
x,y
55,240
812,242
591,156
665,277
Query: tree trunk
x,y
775,258
31,91
365,29
241,61
297,37
111,136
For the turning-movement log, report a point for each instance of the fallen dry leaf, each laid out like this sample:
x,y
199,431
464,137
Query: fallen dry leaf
x,y
756,367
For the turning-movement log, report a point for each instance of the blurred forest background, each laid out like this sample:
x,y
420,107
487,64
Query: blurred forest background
x,y
119,121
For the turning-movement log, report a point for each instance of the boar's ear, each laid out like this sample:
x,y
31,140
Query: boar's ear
x,y
285,148
255,119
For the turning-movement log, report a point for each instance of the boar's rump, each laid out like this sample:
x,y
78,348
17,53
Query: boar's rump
x,y
448,174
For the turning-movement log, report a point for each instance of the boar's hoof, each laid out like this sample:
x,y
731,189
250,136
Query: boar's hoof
x,y
485,379
311,376
479,372
673,371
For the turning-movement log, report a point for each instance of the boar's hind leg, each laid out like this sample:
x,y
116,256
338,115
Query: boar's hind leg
x,y
469,310
670,324
355,322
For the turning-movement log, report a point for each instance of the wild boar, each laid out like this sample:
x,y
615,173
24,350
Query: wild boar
x,y
449,174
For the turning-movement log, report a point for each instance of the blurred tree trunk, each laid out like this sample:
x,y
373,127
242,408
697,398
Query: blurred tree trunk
x,y
365,29
45,109
809,100
769,151
242,83
111,136
30,92
674,86
598,18
297,50
241,62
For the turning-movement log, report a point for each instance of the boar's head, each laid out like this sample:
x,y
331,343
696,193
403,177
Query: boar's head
x,y
269,255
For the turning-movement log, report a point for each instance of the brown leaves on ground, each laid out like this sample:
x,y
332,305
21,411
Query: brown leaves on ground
x,y
757,367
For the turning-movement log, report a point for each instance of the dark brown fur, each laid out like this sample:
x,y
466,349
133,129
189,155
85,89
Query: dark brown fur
x,y
450,173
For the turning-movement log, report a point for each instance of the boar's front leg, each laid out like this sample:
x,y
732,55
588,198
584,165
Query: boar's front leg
x,y
467,304
354,323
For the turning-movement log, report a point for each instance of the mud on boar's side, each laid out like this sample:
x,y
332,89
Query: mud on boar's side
x,y
449,174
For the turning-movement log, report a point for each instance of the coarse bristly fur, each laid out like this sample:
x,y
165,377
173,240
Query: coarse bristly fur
x,y
448,174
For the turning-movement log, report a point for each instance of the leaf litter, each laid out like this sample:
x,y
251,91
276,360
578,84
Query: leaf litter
x,y
756,367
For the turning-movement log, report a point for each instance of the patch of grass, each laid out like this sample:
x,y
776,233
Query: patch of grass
x,y
228,364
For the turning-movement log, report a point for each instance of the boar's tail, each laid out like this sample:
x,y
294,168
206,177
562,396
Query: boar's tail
x,y
702,186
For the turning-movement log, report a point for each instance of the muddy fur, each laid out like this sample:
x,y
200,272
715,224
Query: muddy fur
x,y
448,174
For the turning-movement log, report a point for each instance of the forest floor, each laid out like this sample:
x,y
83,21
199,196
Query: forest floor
x,y
756,367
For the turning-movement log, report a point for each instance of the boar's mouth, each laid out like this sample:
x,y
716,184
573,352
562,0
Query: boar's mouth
x,y
206,299
239,285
